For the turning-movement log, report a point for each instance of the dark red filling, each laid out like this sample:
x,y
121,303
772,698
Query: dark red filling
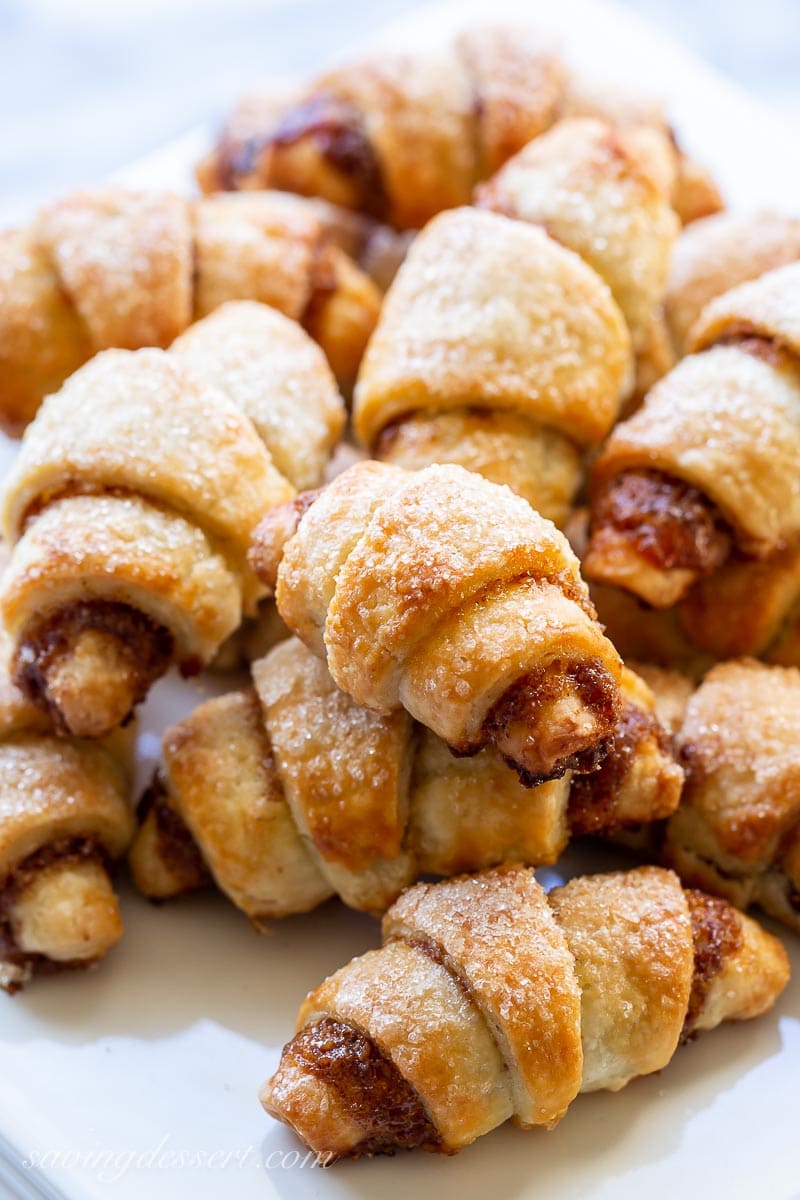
x,y
670,523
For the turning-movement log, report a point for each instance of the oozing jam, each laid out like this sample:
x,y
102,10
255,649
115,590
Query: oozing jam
x,y
670,523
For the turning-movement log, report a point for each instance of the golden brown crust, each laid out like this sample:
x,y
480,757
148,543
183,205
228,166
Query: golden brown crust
x,y
717,254
235,810
470,813
367,1090
120,268
164,859
376,248
539,464
341,312
421,1017
144,423
765,308
136,494
124,258
361,131
486,347
736,832
164,567
64,817
404,135
739,745
692,189
695,193
496,933
739,967
518,88
745,473
234,163
31,302
760,600
670,690
248,247
630,936
58,788
724,423
398,136
492,1000
165,571
277,250
647,634
373,803
277,377
398,578
321,528
586,162
324,746
477,380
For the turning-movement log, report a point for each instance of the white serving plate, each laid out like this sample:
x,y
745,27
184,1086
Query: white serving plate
x,y
140,1078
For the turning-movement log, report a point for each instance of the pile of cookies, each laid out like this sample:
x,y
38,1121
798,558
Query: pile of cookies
x,y
555,594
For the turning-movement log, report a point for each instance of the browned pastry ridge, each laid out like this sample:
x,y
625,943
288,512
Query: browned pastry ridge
x,y
64,818
604,192
441,593
399,136
694,192
718,253
705,471
737,831
118,268
289,793
499,350
404,135
131,506
490,1000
